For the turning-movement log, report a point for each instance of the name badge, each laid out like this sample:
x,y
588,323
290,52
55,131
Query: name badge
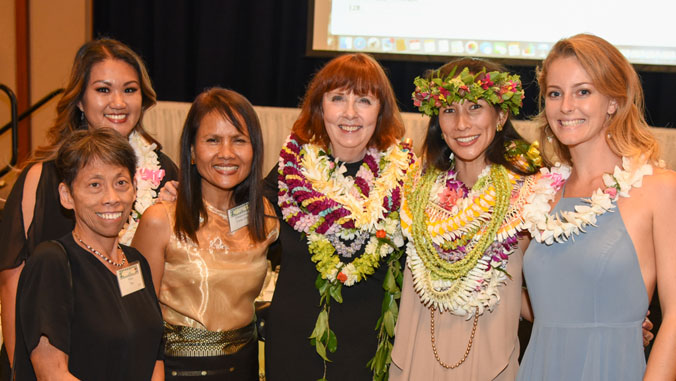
x,y
130,279
238,217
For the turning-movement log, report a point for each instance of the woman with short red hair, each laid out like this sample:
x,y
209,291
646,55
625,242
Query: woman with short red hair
x,y
338,188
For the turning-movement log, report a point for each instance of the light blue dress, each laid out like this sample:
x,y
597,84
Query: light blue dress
x,y
589,302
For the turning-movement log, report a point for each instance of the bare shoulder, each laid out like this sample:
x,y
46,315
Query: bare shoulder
x,y
30,188
657,193
34,173
154,229
156,216
661,184
30,185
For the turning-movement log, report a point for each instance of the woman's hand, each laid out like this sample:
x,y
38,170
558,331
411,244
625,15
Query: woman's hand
x,y
647,327
168,191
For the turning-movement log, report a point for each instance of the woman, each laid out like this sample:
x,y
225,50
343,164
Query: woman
x,y
590,295
83,308
108,87
208,249
461,300
338,189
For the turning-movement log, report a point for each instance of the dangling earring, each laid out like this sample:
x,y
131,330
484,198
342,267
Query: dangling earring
x,y
549,134
83,122
499,127
451,157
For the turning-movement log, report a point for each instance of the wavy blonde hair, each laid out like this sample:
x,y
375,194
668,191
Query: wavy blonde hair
x,y
613,76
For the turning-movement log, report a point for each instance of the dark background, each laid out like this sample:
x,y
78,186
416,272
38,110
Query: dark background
x,y
258,48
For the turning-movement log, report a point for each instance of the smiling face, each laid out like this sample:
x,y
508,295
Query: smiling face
x,y
469,128
112,97
576,111
350,121
222,154
101,197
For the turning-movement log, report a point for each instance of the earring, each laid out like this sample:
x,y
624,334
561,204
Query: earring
x,y
499,127
451,156
549,134
192,161
81,115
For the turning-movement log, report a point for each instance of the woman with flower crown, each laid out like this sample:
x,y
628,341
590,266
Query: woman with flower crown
x,y
461,212
108,87
337,188
604,240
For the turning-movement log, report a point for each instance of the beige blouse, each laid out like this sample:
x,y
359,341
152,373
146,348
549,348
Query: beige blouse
x,y
495,351
213,285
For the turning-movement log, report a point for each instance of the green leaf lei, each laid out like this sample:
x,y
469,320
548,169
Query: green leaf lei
x,y
440,268
323,338
495,87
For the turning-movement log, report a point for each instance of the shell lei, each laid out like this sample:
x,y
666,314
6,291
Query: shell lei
x,y
148,178
547,229
485,223
317,199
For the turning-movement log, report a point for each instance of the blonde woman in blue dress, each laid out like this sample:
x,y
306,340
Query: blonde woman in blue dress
x,y
604,241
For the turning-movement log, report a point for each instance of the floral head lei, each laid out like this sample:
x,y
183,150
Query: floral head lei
x,y
495,87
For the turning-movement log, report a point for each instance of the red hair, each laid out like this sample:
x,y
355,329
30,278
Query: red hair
x,y
362,75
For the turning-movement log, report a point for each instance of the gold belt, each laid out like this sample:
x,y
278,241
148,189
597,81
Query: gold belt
x,y
181,341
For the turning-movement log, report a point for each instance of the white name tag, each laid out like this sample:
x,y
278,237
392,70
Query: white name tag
x,y
130,279
238,217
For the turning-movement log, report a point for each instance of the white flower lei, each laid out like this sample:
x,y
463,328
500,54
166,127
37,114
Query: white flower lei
x,y
146,190
364,211
563,225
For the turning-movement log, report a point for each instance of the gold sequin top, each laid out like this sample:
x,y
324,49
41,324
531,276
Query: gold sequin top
x,y
213,285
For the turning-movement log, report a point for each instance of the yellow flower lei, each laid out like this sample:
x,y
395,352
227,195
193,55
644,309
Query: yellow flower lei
x,y
485,216
420,196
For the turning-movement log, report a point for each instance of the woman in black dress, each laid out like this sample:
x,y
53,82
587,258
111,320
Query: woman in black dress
x,y
86,308
108,87
337,188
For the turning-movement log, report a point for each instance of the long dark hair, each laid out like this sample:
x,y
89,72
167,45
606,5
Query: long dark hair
x,y
189,205
435,149
68,114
